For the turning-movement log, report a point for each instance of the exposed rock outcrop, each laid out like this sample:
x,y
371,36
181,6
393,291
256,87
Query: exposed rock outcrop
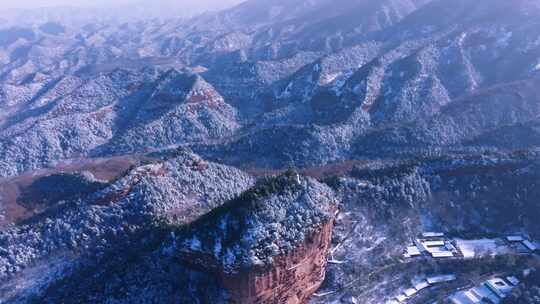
x,y
292,279
267,246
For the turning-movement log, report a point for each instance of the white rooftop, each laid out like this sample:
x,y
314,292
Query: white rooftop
x,y
441,279
484,292
482,247
432,234
513,280
465,297
401,298
420,245
499,287
514,238
529,245
470,295
433,243
442,254
421,285
410,292
413,251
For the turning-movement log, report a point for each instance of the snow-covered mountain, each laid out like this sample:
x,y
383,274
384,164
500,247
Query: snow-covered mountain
x,y
419,114
336,79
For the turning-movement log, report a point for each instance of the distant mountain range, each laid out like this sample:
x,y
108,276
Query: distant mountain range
x,y
412,114
340,86
77,13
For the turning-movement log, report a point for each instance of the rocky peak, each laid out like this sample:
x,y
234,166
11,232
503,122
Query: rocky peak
x,y
265,221
279,223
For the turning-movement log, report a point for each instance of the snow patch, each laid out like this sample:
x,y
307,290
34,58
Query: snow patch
x,y
504,40
328,78
287,92
194,243
482,247
461,39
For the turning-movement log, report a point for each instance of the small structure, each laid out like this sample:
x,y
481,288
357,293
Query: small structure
x,y
412,251
515,238
499,287
401,298
450,247
430,244
410,292
442,254
441,279
421,285
519,247
483,292
465,297
420,245
529,245
513,280
429,235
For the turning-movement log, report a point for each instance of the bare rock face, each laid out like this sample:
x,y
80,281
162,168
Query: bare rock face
x,y
292,279
267,246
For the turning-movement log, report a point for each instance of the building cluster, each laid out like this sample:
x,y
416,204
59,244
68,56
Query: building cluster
x,y
491,291
433,244
522,244
437,245
419,285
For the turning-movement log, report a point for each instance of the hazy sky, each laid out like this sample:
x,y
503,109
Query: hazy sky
x,y
207,4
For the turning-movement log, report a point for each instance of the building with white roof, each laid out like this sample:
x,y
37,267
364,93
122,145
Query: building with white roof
x,y
421,285
442,254
513,280
472,297
420,245
441,279
412,251
433,243
529,245
401,298
499,286
515,238
410,292
465,297
432,234
492,291
483,292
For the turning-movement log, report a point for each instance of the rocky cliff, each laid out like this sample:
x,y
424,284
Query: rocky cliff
x,y
293,277
269,246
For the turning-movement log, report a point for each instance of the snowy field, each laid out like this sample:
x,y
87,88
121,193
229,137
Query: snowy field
x,y
482,247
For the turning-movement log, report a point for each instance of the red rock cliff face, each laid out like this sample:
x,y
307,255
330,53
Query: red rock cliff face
x,y
292,279
252,244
